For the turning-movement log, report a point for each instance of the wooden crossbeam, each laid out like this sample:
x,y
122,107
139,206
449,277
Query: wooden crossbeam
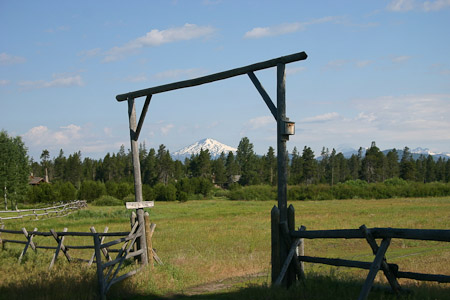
x,y
30,242
60,247
384,265
375,267
104,250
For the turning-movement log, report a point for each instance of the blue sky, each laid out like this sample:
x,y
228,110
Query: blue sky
x,y
376,71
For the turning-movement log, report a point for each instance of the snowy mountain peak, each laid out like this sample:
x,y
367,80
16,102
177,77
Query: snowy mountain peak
x,y
214,147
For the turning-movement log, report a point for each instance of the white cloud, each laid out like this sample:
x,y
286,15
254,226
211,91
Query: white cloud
x,y
59,80
166,129
157,37
90,52
321,118
177,73
281,29
259,122
435,5
137,78
391,121
43,136
426,6
7,59
400,59
292,71
336,64
4,82
363,63
401,5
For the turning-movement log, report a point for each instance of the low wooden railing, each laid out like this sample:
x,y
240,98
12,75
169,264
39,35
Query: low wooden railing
x,y
292,265
53,211
107,270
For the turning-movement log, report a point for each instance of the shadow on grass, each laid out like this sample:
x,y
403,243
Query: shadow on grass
x,y
316,287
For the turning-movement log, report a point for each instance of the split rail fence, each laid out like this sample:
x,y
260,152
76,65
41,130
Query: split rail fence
x,y
49,212
285,271
125,245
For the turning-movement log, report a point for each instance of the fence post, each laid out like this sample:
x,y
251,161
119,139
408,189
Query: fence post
x,y
275,236
148,237
290,276
98,260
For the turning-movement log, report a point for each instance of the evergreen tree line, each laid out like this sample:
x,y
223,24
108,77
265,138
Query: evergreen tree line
x,y
245,167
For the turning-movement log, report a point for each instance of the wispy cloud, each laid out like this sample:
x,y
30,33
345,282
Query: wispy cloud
x,y
157,37
401,5
391,121
426,6
363,63
4,82
292,71
90,52
71,138
177,73
57,29
259,122
59,80
166,129
8,59
137,78
321,118
281,29
400,59
435,5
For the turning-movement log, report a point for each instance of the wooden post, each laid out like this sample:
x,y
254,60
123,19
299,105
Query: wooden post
x,y
290,276
301,252
275,236
137,175
282,154
98,259
148,237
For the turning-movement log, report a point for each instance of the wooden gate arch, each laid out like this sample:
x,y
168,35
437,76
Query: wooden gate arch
x,y
285,128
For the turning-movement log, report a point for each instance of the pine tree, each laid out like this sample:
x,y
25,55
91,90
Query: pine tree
x,y
296,169
309,166
407,166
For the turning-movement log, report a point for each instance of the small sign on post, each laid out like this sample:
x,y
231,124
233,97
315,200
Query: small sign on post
x,y
143,204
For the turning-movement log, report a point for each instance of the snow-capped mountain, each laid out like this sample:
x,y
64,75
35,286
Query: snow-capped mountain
x,y
426,152
214,147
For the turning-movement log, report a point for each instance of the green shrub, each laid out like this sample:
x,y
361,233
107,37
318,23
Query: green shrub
x,y
165,192
254,192
107,200
91,190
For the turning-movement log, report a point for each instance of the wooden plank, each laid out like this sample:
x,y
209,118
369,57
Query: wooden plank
x,y
275,243
143,204
29,238
287,262
263,94
384,265
142,117
339,262
374,268
104,250
213,77
60,247
424,277
100,278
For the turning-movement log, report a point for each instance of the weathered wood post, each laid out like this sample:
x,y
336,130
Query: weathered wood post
x,y
275,237
282,157
291,275
137,175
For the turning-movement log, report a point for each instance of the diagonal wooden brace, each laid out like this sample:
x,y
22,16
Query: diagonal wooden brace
x,y
60,246
388,272
104,250
374,268
29,242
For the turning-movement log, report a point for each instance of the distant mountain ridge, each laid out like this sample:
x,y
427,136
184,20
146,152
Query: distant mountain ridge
x,y
214,147
416,153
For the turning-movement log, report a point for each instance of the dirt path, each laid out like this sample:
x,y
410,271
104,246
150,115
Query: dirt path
x,y
221,285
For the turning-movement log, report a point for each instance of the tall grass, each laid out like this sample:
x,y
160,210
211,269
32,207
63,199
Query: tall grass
x,y
211,241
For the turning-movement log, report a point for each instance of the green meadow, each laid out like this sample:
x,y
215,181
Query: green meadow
x,y
220,249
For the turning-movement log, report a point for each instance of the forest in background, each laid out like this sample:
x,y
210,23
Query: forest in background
x,y
240,175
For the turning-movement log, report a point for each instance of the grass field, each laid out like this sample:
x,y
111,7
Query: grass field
x,y
220,249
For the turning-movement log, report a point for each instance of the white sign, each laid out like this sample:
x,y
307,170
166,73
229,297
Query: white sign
x,y
143,204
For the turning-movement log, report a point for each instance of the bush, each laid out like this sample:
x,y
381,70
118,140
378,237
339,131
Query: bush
x,y
165,192
65,191
107,200
91,190
254,192
42,193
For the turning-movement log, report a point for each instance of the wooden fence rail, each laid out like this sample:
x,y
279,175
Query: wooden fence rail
x,y
53,211
282,274
108,270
